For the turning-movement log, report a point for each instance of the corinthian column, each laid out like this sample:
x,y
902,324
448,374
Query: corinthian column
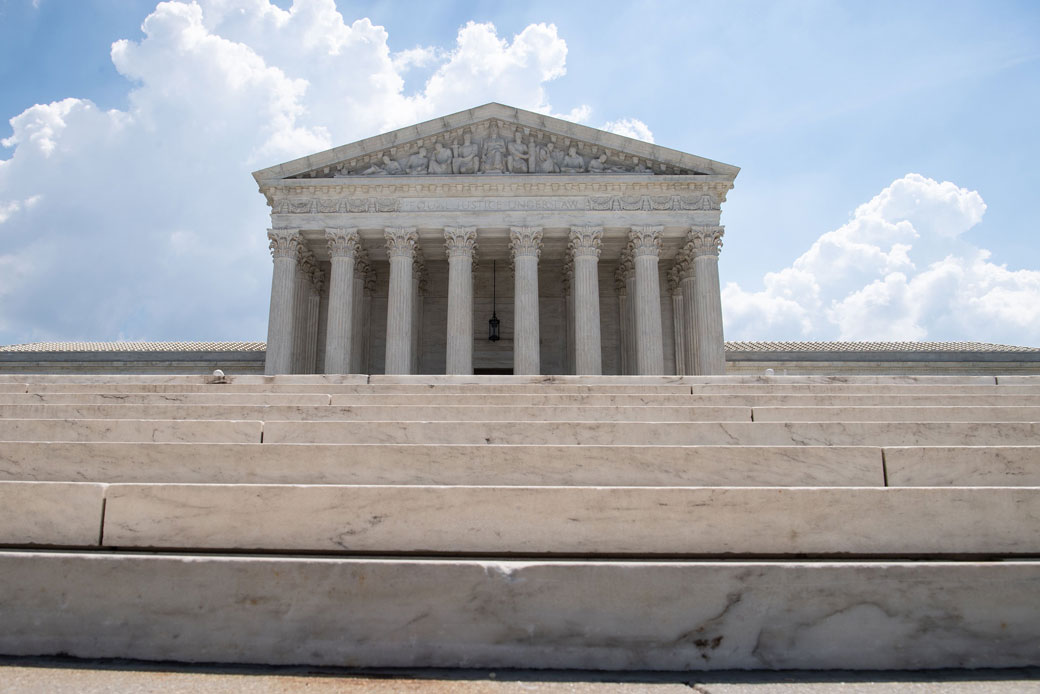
x,y
357,312
526,244
621,290
459,244
285,251
704,246
305,267
314,289
678,320
339,335
418,291
584,247
400,246
646,247
687,279
566,285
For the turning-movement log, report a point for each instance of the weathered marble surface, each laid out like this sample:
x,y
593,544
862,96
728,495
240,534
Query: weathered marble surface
x,y
576,520
1023,380
381,413
809,466
940,466
472,613
661,433
166,399
13,387
863,389
138,430
906,379
888,413
50,513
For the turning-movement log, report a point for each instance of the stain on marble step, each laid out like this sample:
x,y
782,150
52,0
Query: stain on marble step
x,y
680,615
660,433
974,413
131,430
809,466
576,521
51,513
402,413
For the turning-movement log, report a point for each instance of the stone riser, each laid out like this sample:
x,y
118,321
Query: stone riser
x,y
501,521
518,400
495,614
487,413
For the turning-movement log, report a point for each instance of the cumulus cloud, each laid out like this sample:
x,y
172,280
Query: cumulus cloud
x,y
897,270
630,127
145,222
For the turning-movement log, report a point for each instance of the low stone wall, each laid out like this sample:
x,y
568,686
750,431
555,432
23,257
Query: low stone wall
x,y
131,362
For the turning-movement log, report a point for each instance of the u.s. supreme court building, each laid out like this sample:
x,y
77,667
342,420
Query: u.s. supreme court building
x,y
581,251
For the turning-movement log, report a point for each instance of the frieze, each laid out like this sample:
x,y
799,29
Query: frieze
x,y
591,203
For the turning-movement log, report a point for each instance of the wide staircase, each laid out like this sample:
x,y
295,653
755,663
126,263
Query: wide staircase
x,y
532,522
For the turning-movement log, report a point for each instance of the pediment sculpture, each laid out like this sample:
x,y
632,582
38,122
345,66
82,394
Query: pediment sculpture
x,y
494,148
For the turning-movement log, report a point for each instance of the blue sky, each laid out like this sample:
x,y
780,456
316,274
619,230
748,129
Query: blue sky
x,y
888,150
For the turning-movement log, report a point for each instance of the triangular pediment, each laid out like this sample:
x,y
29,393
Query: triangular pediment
x,y
485,140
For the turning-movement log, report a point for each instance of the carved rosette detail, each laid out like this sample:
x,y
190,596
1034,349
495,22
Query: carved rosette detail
x,y
704,240
645,240
525,241
400,241
284,243
585,241
460,241
343,243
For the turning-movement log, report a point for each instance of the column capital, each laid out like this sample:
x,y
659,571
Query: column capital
x,y
400,241
567,273
343,243
525,241
460,241
585,241
684,265
311,272
645,240
284,243
674,277
704,240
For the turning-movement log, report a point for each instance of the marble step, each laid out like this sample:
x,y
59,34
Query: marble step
x,y
941,466
493,613
319,387
51,513
117,398
863,389
575,521
403,413
131,430
980,413
519,399
13,387
267,463
660,433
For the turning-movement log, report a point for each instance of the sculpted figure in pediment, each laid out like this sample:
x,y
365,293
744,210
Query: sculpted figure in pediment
x,y
493,153
543,161
389,167
599,164
417,163
573,162
465,155
556,155
440,162
517,154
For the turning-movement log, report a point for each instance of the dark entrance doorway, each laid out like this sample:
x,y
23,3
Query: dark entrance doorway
x,y
493,371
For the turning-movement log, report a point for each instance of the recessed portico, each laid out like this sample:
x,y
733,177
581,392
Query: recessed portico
x,y
384,265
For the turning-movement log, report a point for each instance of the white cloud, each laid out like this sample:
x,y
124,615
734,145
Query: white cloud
x,y
145,222
630,127
895,271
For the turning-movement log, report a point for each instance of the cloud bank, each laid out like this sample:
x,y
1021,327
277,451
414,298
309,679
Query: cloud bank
x,y
898,270
145,224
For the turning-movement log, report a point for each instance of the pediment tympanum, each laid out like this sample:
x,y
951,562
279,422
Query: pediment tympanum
x,y
492,140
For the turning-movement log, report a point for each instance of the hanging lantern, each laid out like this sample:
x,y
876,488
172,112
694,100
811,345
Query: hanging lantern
x,y
494,322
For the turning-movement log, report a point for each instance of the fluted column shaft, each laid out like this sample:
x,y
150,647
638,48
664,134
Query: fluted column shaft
x,y
418,286
459,245
584,246
301,309
705,244
400,247
630,318
357,338
339,334
678,320
285,248
689,298
568,299
646,246
622,340
526,243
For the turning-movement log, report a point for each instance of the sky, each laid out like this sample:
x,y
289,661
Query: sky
x,y
888,150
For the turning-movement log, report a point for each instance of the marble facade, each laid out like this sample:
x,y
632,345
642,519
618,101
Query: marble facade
x,y
601,250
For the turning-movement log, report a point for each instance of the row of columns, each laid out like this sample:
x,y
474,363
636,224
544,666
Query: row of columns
x,y
695,287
